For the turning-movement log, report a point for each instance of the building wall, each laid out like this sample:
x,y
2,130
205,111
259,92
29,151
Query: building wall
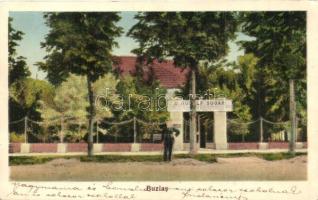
x,y
177,120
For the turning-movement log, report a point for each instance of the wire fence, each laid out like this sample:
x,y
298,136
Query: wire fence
x,y
259,130
74,130
70,129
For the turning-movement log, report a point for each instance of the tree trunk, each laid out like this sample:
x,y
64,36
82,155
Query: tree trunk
x,y
206,131
193,115
260,96
91,116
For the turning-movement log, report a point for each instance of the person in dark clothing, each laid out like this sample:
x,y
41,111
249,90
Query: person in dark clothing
x,y
168,141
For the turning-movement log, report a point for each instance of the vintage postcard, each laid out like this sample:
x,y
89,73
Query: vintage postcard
x,y
152,100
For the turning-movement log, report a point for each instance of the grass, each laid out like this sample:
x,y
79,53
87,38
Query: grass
x,y
210,158
280,156
119,158
265,156
28,160
32,160
152,158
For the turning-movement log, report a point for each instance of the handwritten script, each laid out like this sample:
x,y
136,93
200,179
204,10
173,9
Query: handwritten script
x,y
116,190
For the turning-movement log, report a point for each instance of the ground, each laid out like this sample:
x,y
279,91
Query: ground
x,y
232,168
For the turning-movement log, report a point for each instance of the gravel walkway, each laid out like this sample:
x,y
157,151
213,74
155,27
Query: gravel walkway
x,y
238,168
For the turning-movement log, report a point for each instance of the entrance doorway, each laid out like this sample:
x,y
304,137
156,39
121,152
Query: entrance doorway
x,y
205,129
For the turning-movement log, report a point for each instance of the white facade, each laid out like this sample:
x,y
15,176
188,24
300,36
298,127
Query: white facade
x,y
220,118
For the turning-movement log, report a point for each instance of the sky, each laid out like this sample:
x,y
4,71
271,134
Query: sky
x,y
34,28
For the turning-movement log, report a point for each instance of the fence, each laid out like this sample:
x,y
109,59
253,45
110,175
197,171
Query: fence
x,y
259,130
263,130
72,130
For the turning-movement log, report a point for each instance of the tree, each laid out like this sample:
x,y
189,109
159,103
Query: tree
x,y
26,92
17,66
70,101
18,71
80,43
187,38
140,100
24,97
69,105
231,80
280,44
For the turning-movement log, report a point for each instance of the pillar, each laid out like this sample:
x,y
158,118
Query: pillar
x,y
135,147
98,148
61,148
299,145
177,119
263,145
25,148
220,133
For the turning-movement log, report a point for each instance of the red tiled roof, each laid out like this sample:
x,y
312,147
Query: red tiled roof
x,y
166,72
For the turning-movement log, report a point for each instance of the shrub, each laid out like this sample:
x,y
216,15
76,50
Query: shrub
x,y
15,137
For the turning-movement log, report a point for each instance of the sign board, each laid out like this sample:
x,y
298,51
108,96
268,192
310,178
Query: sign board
x,y
157,137
213,105
178,106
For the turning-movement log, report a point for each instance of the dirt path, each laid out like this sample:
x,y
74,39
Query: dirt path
x,y
240,168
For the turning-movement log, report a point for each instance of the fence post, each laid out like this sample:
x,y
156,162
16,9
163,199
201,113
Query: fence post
x,y
152,136
25,129
261,130
292,110
97,131
62,134
135,131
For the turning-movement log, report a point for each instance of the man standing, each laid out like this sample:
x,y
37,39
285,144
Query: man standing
x,y
168,140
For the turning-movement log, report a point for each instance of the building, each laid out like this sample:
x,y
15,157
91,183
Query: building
x,y
171,77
